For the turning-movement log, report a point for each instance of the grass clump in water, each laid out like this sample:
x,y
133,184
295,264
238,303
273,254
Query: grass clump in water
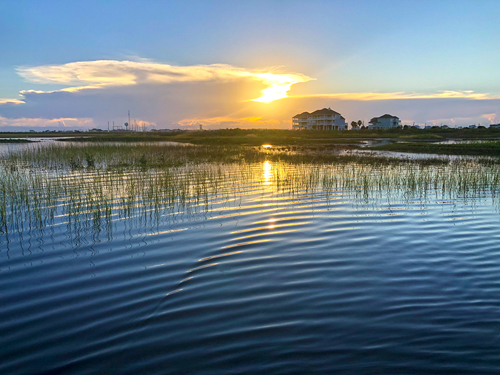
x,y
100,182
467,148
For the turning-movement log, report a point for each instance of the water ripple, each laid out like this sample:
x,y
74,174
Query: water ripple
x,y
261,281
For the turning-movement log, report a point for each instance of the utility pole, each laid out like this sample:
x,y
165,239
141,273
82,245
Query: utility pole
x,y
129,116
108,126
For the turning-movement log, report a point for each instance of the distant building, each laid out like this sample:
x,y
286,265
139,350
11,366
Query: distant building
x,y
495,126
322,119
384,122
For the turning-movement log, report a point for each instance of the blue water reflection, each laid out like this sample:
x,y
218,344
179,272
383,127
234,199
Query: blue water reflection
x,y
258,280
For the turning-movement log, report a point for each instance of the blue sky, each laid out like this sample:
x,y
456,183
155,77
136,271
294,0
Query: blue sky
x,y
418,49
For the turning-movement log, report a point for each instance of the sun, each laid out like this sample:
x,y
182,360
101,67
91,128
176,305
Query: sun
x,y
273,93
279,85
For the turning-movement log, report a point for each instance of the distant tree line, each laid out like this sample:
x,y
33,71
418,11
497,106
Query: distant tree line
x,y
356,125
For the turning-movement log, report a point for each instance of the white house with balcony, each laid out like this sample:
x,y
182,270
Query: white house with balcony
x,y
384,122
322,119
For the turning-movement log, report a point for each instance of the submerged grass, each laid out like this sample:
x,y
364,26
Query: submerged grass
x,y
154,155
95,184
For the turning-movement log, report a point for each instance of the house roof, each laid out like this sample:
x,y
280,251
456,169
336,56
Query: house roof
x,y
301,115
325,111
375,119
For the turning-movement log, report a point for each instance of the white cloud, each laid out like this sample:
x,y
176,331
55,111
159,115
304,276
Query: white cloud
x,y
11,101
214,95
370,96
104,73
491,117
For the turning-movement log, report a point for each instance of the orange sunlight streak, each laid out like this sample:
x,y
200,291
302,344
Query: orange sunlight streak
x,y
279,85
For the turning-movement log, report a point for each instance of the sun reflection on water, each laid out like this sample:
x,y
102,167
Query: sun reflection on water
x,y
267,173
272,222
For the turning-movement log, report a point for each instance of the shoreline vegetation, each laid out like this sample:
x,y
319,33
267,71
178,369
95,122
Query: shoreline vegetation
x,y
95,182
491,148
482,141
16,140
111,156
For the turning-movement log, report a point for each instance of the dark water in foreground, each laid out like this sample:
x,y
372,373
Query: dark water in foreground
x,y
263,283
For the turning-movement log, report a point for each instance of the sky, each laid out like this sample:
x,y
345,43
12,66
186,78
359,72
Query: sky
x,y
247,64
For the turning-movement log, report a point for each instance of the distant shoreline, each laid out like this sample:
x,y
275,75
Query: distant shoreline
x,y
400,140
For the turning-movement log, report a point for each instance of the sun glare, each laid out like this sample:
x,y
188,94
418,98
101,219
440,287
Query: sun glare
x,y
267,173
279,85
273,93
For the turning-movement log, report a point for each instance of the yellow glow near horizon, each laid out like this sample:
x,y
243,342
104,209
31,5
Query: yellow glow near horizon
x,y
279,85
100,74
273,93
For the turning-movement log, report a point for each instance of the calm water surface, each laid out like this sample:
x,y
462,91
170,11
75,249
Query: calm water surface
x,y
258,280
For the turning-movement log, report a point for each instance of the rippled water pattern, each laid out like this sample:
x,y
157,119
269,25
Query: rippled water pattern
x,y
259,282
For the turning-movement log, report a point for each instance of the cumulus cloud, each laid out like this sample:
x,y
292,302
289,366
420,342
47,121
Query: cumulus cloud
x,y
11,101
103,73
216,96
463,110
491,117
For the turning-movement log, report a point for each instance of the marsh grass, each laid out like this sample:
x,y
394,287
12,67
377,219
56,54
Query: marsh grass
x,y
15,140
466,148
157,155
276,136
94,185
252,137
